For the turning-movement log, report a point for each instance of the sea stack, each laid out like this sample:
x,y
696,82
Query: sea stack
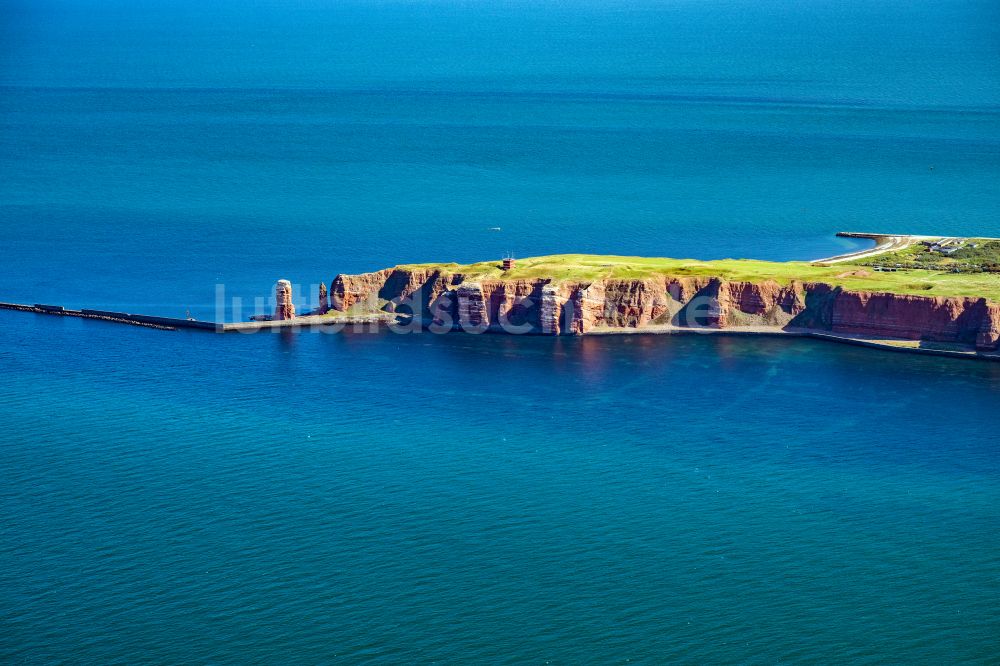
x,y
283,296
324,306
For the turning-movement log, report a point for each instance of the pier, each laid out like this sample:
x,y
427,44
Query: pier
x,y
174,323
148,321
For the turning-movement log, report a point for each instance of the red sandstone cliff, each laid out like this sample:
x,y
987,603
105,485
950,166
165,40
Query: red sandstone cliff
x,y
968,320
988,336
573,308
285,308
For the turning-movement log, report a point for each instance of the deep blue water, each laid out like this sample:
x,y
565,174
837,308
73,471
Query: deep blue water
x,y
176,497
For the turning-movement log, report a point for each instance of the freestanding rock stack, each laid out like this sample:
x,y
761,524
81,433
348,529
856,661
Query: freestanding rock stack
x,y
283,296
324,305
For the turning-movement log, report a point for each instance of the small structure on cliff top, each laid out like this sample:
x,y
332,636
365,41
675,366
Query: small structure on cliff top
x,y
508,262
285,309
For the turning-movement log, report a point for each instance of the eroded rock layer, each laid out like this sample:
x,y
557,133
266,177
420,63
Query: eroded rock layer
x,y
541,306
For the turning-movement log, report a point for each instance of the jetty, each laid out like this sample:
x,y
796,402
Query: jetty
x,y
175,323
148,321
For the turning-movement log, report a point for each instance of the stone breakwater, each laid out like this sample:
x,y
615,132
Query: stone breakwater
x,y
146,321
542,306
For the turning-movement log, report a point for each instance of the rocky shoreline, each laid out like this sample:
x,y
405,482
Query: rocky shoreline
x,y
543,306
488,298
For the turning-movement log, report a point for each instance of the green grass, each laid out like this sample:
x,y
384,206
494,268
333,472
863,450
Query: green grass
x,y
584,267
984,257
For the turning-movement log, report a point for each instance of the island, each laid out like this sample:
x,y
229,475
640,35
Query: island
x,y
909,292
926,294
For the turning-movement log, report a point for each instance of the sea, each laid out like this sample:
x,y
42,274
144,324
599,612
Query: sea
x,y
376,498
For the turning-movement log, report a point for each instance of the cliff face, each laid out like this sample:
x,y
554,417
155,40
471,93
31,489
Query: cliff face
x,y
448,302
390,287
965,320
750,303
988,336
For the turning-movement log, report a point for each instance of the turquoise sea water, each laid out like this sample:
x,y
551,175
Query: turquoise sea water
x,y
175,497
